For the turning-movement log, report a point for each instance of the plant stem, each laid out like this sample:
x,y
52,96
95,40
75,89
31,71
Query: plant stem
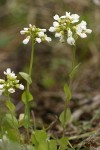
x,y
82,135
65,111
31,62
27,111
74,57
70,87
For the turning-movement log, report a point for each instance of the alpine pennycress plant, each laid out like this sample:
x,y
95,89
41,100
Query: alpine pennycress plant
x,y
68,29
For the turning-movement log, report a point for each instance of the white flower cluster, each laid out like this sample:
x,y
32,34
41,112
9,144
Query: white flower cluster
x,y
11,82
36,33
68,27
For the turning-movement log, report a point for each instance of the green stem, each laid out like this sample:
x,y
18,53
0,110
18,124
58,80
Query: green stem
x,y
31,62
73,65
65,111
27,111
70,87
74,57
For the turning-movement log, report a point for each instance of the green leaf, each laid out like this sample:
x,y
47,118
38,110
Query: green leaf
x,y
11,121
42,146
26,97
26,77
10,106
67,92
39,136
39,139
65,119
63,142
74,70
11,145
12,134
52,144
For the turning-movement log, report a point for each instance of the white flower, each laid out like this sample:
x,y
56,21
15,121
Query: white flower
x,y
41,34
32,31
74,18
10,82
66,26
9,73
89,31
56,17
1,86
11,90
68,15
38,40
21,87
63,17
26,29
70,39
22,32
81,29
55,24
52,29
30,25
48,39
25,41
58,34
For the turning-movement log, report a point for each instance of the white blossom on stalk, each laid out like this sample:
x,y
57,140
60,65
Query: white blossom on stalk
x,y
36,33
58,35
38,40
70,39
52,29
11,90
1,86
10,83
72,18
9,73
25,41
67,27
48,39
81,29
40,34
56,17
21,86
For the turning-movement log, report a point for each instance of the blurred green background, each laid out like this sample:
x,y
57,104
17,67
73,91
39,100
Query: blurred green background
x,y
52,60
